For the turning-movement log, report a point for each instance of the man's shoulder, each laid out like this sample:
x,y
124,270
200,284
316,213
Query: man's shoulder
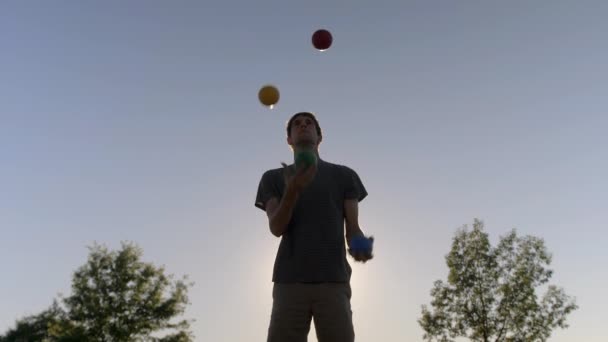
x,y
273,173
338,167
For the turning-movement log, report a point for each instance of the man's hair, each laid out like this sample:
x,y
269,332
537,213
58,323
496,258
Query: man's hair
x,y
307,114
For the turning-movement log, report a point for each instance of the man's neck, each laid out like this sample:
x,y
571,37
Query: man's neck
x,y
306,147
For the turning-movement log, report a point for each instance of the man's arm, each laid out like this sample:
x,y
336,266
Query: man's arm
x,y
279,212
351,214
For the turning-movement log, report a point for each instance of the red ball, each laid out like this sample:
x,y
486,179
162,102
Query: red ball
x,y
322,39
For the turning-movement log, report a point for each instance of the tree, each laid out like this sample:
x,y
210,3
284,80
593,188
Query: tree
x,y
490,293
49,325
115,297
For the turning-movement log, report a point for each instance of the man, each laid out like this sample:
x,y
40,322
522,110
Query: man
x,y
311,208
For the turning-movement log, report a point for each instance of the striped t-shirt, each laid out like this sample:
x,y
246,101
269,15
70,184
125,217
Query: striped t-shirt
x,y
313,248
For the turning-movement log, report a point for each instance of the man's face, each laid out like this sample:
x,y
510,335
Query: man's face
x,y
303,132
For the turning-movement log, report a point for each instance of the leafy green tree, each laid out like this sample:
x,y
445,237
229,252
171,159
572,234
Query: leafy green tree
x,y
490,293
49,325
115,297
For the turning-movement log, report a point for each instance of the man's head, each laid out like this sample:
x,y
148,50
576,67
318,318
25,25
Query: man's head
x,y
304,130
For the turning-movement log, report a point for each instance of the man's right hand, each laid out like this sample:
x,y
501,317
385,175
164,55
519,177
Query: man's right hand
x,y
300,178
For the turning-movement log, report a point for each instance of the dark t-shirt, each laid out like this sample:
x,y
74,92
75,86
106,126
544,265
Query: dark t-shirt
x,y
313,249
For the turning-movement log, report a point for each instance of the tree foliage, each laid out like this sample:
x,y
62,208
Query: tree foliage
x,y
490,293
115,297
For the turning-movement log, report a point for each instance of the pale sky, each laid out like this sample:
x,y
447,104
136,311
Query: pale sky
x,y
139,121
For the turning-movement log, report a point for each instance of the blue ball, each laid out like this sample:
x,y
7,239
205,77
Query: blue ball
x,y
361,244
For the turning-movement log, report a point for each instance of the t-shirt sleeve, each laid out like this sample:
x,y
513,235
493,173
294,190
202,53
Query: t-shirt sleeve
x,y
354,187
266,190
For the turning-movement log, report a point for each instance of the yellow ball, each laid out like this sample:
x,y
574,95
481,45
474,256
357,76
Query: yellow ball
x,y
268,95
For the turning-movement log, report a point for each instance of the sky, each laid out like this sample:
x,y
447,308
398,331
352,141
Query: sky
x,y
139,121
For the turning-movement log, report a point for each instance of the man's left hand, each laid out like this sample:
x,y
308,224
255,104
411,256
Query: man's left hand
x,y
362,256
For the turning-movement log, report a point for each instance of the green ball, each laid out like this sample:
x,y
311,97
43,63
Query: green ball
x,y
305,159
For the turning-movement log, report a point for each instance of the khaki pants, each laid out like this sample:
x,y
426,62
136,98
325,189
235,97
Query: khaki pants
x,y
295,304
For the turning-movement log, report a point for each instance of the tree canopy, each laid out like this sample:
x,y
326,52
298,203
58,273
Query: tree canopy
x,y
491,292
115,297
